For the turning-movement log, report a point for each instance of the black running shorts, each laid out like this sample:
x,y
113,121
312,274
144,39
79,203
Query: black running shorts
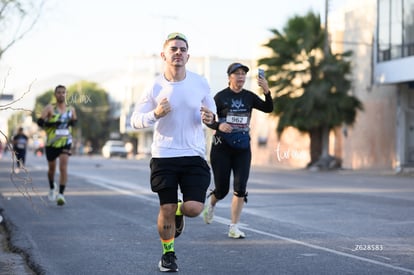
x,y
52,152
191,174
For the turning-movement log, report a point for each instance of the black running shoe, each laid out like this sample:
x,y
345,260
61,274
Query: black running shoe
x,y
179,222
167,263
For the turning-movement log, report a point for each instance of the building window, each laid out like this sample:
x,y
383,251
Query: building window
x,y
395,29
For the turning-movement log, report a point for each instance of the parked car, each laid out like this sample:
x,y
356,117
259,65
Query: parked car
x,y
114,148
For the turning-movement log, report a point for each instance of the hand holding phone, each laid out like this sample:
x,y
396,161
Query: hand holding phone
x,y
261,73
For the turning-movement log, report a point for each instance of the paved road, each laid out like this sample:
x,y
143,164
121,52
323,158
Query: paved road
x,y
297,222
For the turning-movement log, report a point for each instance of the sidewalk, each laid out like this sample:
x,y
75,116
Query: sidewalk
x,y
11,263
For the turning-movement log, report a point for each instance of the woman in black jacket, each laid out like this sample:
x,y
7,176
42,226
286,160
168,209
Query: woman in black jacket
x,y
230,149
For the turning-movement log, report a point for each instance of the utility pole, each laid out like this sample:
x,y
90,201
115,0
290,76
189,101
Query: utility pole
x,y
326,48
325,129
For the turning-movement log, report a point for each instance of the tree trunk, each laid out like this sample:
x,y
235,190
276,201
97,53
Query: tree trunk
x,y
324,160
315,145
325,142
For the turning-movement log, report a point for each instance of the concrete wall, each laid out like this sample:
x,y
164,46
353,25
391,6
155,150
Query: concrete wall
x,y
371,141
290,151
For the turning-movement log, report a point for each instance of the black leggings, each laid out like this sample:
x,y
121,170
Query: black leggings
x,y
20,157
224,160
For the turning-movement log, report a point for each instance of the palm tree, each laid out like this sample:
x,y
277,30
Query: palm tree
x,y
312,85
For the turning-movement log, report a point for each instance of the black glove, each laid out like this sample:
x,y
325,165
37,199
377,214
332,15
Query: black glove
x,y
72,122
41,122
52,124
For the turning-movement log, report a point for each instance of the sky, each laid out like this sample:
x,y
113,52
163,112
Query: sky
x,y
81,37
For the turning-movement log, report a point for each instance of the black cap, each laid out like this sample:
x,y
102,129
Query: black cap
x,y
233,67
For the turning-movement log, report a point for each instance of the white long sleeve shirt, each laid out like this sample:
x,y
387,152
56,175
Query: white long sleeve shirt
x,y
179,133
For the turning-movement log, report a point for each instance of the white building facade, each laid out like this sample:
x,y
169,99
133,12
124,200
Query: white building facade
x,y
381,35
394,60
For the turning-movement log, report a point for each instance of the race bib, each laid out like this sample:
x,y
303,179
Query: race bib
x,y
233,119
62,132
